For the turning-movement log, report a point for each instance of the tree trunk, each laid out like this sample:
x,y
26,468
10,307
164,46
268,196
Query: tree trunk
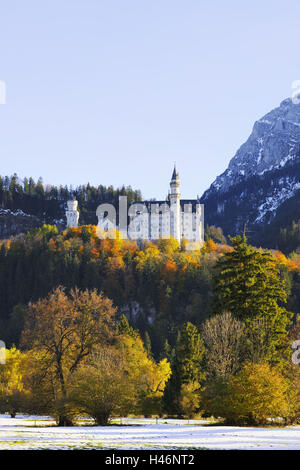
x,y
102,419
64,421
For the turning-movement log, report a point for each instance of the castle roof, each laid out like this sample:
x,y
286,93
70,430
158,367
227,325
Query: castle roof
x,y
175,175
192,202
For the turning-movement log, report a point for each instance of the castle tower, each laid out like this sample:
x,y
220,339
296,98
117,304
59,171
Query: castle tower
x,y
174,196
72,213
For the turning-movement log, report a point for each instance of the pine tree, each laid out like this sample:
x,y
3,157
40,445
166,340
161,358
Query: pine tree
x,y
124,328
186,369
247,283
147,344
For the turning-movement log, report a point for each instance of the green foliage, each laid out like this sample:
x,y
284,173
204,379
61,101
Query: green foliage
x,y
187,368
169,285
247,283
124,328
48,202
189,354
215,234
289,237
147,342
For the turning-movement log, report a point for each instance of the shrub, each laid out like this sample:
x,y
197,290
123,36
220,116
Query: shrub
x,y
256,394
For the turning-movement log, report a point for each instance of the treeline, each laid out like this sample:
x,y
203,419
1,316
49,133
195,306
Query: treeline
x,y
78,356
48,202
289,238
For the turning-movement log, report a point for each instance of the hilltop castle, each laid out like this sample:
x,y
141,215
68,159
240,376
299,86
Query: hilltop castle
x,y
152,220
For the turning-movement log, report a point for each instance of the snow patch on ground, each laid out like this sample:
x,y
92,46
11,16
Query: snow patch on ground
x,y
33,432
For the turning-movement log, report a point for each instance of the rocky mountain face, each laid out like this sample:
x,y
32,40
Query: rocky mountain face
x,y
261,186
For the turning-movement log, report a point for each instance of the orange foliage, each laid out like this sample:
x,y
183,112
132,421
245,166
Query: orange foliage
x,y
52,244
95,253
169,270
209,246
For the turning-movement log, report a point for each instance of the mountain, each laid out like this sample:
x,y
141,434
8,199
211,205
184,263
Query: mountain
x,y
261,187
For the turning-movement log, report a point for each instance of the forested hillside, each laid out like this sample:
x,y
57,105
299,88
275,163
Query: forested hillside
x,y
25,204
158,286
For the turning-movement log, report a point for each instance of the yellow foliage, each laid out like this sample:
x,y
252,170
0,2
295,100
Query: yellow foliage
x,y
12,388
189,399
148,375
252,396
168,246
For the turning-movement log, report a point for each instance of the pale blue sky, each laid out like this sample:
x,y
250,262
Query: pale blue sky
x,y
113,91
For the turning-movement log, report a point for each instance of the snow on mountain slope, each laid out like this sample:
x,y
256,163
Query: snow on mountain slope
x,y
262,176
275,140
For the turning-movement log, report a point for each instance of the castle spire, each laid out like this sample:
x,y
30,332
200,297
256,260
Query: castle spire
x,y
175,183
175,175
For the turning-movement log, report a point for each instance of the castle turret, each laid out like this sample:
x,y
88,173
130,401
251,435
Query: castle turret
x,y
175,228
72,213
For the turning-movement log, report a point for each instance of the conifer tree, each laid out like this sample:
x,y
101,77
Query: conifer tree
x,y
124,328
186,369
147,343
247,283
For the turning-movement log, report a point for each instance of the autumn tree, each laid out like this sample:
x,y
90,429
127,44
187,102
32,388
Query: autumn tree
x,y
256,394
215,234
101,388
12,389
148,376
66,328
44,393
189,399
168,245
224,339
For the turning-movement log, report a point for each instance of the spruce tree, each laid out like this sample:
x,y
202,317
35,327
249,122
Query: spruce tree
x,y
186,368
147,344
124,328
247,283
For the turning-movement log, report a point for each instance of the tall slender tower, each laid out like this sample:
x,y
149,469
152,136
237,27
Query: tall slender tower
x,y
72,213
175,222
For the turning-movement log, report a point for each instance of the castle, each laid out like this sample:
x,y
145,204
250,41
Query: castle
x,y
152,220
